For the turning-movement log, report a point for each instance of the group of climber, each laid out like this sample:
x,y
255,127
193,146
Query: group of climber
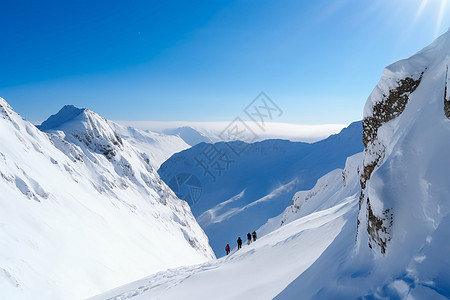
x,y
239,241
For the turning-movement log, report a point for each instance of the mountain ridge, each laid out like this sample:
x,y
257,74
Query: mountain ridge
x,y
65,206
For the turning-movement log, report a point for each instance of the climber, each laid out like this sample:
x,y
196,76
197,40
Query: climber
x,y
239,242
254,235
227,248
249,238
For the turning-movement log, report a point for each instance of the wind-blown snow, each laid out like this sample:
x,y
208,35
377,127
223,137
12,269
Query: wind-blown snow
x,y
82,210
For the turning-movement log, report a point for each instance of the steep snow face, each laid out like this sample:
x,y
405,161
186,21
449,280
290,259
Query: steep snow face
x,y
406,134
237,194
82,210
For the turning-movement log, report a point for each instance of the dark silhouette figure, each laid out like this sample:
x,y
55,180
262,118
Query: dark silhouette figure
x,y
254,236
227,248
239,242
249,238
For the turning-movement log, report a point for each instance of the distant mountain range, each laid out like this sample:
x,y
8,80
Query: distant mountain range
x,y
197,132
232,193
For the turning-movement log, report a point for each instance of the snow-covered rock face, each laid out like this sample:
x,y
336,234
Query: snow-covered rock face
x,y
446,99
82,126
404,121
393,102
82,210
86,127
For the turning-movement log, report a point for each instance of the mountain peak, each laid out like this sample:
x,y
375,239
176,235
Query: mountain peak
x,y
4,104
85,126
64,115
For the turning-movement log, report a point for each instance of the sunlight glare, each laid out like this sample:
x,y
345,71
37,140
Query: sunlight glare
x,y
440,17
422,6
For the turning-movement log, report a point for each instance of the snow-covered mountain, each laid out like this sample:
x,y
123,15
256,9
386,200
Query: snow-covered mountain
x,y
83,210
379,229
236,194
189,135
158,146
196,132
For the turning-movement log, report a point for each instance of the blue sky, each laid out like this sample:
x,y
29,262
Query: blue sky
x,y
206,60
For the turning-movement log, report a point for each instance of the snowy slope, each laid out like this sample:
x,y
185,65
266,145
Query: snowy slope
x,y
256,185
386,239
159,147
266,267
82,210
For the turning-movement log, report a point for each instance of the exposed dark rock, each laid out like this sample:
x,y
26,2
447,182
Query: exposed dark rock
x,y
91,140
392,105
367,171
118,140
4,113
389,108
379,228
446,101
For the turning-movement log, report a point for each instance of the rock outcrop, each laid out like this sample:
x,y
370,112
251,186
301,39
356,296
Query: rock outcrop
x,y
389,108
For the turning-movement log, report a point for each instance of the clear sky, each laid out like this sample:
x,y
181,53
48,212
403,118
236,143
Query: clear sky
x,y
206,60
